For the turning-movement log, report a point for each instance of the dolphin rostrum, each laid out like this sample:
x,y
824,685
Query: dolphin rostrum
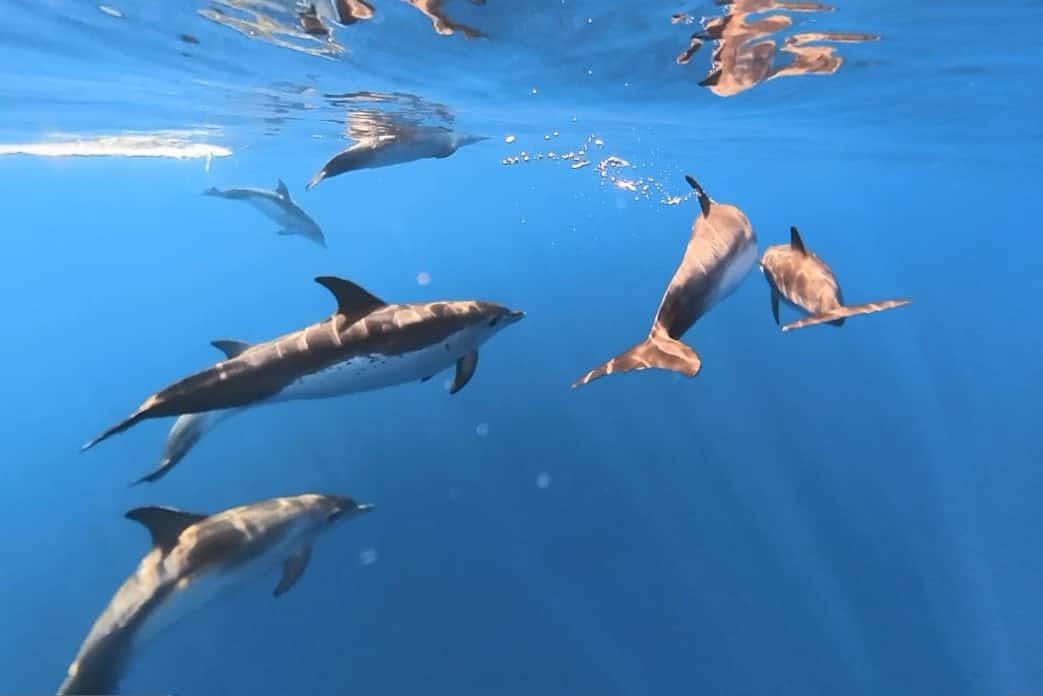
x,y
193,559
720,253
392,143
190,428
279,206
807,284
365,344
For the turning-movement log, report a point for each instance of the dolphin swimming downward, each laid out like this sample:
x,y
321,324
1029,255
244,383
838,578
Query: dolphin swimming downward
x,y
277,205
720,253
807,284
193,559
365,344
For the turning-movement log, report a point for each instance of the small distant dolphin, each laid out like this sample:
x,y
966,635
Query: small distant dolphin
x,y
277,205
190,428
395,145
365,344
720,253
193,559
807,284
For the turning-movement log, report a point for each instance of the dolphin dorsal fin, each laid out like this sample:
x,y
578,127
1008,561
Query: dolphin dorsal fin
x,y
165,524
280,188
795,242
704,199
353,301
230,347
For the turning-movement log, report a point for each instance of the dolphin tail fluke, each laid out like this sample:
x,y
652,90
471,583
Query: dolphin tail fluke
x,y
658,350
837,316
212,191
125,424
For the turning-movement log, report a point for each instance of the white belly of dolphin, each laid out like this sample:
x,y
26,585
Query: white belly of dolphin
x,y
376,370
736,271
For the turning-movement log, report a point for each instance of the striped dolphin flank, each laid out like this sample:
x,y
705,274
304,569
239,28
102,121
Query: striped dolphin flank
x,y
803,281
365,344
195,558
721,251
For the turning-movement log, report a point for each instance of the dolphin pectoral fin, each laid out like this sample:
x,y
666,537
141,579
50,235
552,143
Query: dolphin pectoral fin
x,y
165,524
292,570
838,315
353,301
658,350
424,379
775,305
465,368
229,346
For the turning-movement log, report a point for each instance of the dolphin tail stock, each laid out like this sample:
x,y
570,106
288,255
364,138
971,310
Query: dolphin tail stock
x,y
658,350
125,424
314,181
837,316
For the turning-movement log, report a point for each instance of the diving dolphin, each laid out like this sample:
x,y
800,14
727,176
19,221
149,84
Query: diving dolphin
x,y
365,344
720,253
193,559
277,205
394,145
190,428
807,284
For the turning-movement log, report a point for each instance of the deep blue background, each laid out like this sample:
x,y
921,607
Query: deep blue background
x,y
826,511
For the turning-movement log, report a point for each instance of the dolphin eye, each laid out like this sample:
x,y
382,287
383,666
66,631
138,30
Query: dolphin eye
x,y
494,321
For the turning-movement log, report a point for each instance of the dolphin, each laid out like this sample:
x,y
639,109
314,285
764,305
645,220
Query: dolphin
x,y
190,428
195,558
277,205
394,143
720,253
807,284
365,344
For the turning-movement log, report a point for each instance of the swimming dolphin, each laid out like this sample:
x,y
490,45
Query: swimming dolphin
x,y
365,344
720,253
807,284
392,143
193,559
190,428
277,205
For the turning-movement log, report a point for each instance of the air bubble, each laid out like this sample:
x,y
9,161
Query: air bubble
x,y
482,429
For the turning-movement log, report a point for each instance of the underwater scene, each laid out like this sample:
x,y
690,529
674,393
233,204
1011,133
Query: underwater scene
x,y
521,347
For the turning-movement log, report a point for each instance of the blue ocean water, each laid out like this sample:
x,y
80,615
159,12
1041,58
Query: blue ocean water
x,y
817,512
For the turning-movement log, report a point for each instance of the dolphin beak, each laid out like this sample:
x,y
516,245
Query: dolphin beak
x,y
515,316
364,507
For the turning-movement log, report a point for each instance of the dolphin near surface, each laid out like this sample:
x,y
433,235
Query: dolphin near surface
x,y
721,251
364,344
195,558
279,207
804,281
393,144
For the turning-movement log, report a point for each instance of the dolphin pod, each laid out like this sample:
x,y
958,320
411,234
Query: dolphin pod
x,y
367,343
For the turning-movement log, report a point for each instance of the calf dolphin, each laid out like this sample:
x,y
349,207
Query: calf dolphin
x,y
190,428
279,206
807,284
392,143
365,344
193,559
720,253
